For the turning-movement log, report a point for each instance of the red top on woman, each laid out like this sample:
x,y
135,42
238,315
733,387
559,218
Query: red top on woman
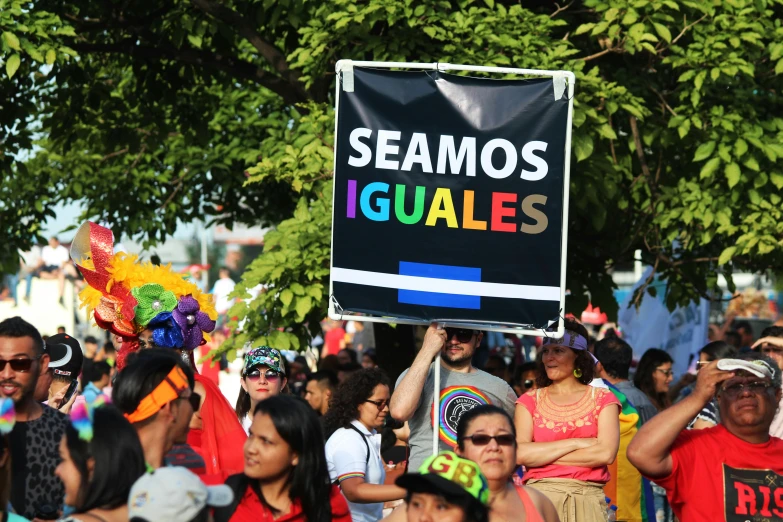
x,y
578,420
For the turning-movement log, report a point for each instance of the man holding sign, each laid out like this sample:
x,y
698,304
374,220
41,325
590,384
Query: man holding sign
x,y
462,388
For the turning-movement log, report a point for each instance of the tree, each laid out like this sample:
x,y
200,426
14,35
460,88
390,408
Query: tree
x,y
676,127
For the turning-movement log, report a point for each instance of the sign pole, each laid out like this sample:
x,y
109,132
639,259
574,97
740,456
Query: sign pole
x,y
436,407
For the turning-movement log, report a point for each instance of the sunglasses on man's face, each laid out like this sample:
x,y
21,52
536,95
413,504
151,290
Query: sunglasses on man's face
x,y
18,365
481,439
195,401
463,335
269,375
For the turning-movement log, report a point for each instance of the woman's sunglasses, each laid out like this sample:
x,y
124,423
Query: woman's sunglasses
x,y
506,439
464,335
269,375
528,383
18,365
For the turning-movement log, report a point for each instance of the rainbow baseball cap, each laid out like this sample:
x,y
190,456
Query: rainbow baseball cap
x,y
450,475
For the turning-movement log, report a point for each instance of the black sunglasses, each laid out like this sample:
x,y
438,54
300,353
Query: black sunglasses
x,y
194,400
506,439
378,404
18,365
269,375
528,383
464,335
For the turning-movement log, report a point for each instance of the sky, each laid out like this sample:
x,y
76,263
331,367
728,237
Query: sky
x,y
68,215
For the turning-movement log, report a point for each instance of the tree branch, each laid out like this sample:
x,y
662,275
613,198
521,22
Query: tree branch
x,y
598,55
561,9
638,141
228,64
663,100
686,28
268,51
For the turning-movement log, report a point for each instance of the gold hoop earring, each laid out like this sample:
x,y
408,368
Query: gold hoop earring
x,y
577,373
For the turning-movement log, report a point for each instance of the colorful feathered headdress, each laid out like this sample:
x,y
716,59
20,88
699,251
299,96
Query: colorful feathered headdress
x,y
128,296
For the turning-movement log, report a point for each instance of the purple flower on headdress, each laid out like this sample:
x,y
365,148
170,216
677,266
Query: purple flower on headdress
x,y
192,321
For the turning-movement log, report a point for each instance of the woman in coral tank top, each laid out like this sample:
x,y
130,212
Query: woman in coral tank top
x,y
567,431
486,435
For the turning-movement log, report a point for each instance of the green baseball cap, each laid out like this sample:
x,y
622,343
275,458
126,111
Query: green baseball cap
x,y
448,474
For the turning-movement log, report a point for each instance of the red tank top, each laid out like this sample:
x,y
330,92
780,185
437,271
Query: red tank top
x,y
530,508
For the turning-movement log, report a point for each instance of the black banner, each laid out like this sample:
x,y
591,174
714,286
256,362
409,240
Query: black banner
x,y
449,197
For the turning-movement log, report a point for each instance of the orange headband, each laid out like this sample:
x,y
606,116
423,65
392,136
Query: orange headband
x,y
165,392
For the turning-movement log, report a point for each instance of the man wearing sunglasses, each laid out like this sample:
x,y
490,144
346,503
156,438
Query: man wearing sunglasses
x,y
462,388
730,472
155,392
39,428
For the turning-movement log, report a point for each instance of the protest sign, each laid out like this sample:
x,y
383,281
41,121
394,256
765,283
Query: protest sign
x,y
450,195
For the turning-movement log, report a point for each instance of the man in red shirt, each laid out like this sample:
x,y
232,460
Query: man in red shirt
x,y
732,472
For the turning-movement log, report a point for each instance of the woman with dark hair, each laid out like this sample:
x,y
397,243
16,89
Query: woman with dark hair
x,y
285,472
567,431
486,435
356,413
653,376
101,459
263,376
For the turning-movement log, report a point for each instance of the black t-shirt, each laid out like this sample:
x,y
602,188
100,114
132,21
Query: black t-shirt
x,y
34,457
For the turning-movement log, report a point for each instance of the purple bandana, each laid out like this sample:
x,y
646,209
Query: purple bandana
x,y
571,340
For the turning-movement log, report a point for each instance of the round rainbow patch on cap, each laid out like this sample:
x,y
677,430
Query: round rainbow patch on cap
x,y
454,402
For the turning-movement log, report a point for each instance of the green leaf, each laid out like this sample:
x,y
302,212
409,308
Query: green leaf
x,y
429,31
583,28
195,40
732,172
490,3
12,64
726,255
740,147
303,307
286,296
663,32
12,41
583,147
633,110
751,163
709,167
51,56
779,67
630,17
777,179
704,151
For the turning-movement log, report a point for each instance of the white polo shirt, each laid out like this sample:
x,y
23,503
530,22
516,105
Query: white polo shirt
x,y
346,456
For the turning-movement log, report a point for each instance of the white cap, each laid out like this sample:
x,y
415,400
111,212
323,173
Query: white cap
x,y
756,367
174,494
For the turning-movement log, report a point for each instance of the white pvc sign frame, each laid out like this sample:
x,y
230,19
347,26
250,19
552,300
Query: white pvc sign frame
x,y
561,81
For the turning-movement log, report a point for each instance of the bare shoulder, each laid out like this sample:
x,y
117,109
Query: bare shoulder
x,y
544,506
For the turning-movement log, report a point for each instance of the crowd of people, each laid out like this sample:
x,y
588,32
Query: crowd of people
x,y
131,431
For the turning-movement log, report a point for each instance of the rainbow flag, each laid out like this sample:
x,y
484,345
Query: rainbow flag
x,y
627,489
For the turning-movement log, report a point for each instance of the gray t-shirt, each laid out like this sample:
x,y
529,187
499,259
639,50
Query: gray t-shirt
x,y
460,392
638,399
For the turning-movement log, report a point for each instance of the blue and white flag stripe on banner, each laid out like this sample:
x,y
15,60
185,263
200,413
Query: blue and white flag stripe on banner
x,y
442,285
456,273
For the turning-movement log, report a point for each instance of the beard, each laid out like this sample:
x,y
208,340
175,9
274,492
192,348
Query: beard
x,y
466,356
